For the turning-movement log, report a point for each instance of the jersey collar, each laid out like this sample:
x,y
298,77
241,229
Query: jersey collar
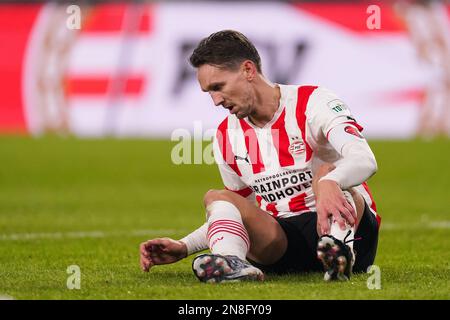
x,y
277,114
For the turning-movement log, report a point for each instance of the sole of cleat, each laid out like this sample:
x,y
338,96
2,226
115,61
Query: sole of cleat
x,y
335,264
211,268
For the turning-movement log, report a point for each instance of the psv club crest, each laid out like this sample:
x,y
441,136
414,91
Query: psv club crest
x,y
297,147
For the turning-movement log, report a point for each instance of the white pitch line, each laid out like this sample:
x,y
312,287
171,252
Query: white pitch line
x,y
87,234
431,225
440,224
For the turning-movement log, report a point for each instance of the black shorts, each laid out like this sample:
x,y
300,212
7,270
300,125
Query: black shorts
x,y
301,253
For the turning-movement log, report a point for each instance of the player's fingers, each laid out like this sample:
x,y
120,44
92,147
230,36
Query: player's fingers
x,y
149,245
338,218
347,215
145,264
323,221
156,243
351,209
143,250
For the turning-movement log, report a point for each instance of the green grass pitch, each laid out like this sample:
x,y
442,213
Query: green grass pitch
x,y
91,202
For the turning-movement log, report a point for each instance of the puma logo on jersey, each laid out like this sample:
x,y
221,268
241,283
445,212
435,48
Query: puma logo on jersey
x,y
242,158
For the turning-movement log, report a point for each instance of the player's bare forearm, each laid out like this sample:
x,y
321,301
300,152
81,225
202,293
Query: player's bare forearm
x,y
319,173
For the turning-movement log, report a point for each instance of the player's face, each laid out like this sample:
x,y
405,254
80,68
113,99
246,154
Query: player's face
x,y
228,88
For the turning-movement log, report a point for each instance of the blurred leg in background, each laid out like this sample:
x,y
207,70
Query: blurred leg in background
x,y
428,27
53,53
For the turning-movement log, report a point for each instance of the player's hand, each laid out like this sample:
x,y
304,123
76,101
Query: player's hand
x,y
331,202
161,251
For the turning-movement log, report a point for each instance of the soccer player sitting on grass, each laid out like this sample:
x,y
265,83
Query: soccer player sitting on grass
x,y
298,153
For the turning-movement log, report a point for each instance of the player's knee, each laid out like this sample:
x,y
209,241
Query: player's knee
x,y
209,197
215,195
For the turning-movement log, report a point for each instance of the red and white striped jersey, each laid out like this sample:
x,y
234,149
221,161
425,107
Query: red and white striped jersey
x,y
276,162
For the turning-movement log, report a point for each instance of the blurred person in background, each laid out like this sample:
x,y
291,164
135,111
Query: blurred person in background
x,y
52,52
428,25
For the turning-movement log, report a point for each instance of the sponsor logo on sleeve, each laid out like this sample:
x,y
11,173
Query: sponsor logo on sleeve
x,y
352,130
337,106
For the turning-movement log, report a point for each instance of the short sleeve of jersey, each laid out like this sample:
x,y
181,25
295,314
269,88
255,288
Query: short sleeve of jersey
x,y
325,111
231,180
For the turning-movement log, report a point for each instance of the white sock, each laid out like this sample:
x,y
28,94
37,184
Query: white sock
x,y
340,234
226,232
196,240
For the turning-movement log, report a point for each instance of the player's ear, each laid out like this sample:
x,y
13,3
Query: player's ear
x,y
249,69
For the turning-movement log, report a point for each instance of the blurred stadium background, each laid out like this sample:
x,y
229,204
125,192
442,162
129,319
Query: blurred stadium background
x,y
92,91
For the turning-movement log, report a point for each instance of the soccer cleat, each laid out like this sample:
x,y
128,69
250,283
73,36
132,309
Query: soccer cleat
x,y
214,268
337,258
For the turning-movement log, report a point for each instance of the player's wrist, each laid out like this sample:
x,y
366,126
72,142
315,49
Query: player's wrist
x,y
184,249
328,180
326,187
